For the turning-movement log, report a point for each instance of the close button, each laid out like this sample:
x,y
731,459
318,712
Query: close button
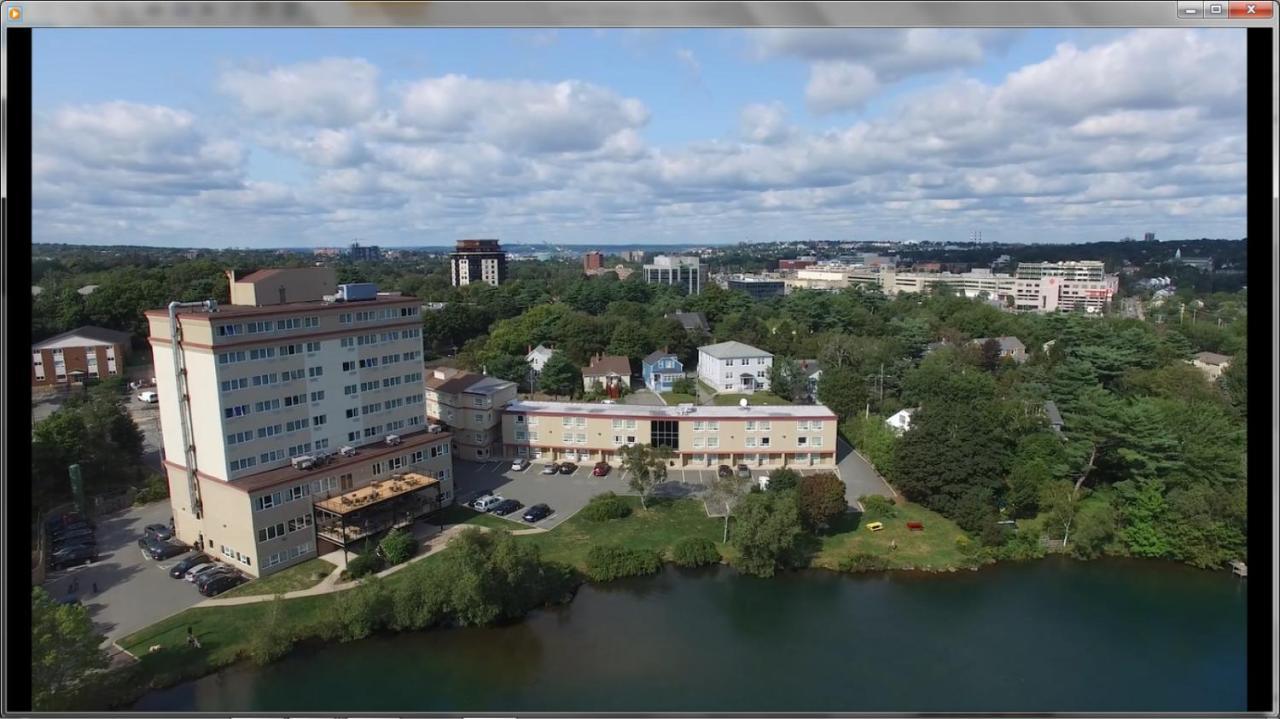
x,y
1249,9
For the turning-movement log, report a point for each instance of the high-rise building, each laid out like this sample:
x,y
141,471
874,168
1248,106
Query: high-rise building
x,y
478,261
293,418
592,260
1149,237
686,272
361,253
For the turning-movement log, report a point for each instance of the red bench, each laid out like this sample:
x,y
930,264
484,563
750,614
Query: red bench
x,y
915,526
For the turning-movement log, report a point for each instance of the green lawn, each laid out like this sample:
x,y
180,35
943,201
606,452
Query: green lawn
x,y
757,398
674,398
302,576
458,514
935,547
658,528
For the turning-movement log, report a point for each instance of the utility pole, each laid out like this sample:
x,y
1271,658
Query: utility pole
x,y
881,385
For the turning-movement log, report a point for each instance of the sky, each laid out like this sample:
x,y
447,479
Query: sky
x,y
412,137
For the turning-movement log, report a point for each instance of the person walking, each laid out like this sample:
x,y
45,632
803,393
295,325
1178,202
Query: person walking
x,y
95,588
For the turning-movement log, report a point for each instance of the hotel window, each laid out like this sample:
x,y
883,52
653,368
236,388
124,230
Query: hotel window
x,y
519,419
266,405
520,436
713,442
582,439
239,410
292,323
230,385
294,374
697,425
751,425
319,420
617,424
815,442
699,443
582,423
751,442
713,425
345,318
349,389
816,425
347,342
230,330
314,372
224,358
764,441
802,441
802,425
566,422
317,396
257,327
313,347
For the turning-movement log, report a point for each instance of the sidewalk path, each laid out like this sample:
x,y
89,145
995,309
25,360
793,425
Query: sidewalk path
x,y
332,583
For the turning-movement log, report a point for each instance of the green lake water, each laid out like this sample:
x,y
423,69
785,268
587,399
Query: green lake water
x,y
1052,635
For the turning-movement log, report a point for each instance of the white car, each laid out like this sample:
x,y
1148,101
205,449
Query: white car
x,y
148,397
196,572
552,468
486,503
520,464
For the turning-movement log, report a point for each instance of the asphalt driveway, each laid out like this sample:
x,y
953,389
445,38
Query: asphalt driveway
x,y
860,478
133,591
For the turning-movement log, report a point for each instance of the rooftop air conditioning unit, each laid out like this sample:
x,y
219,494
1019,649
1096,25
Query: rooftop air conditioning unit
x,y
304,461
347,451
393,440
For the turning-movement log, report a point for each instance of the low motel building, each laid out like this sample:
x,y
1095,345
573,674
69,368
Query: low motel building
x,y
83,353
701,436
293,419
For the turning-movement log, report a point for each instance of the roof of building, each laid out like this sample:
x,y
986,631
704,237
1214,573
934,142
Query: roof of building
x,y
540,351
489,385
809,367
452,381
259,275
657,356
373,450
609,364
733,350
90,335
796,411
1051,411
1212,358
234,311
1007,344
691,320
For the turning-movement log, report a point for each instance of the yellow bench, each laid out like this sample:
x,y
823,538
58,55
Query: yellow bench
x,y
875,526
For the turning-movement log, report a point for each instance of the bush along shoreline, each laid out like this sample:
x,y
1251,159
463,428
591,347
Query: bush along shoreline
x,y
486,578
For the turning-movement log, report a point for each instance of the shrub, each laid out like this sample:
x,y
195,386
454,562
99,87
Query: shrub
x,y
606,563
966,546
155,489
863,562
361,611
685,385
877,508
695,552
780,480
398,546
364,565
603,507
1024,544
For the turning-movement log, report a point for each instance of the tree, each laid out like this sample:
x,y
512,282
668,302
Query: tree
x,y
1143,509
952,447
1059,501
991,355
728,493
786,379
842,390
1027,482
768,528
685,385
781,480
820,499
559,376
1235,383
65,647
271,640
646,467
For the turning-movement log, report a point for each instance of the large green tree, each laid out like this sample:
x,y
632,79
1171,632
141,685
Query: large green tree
x,y
646,467
559,376
65,647
766,532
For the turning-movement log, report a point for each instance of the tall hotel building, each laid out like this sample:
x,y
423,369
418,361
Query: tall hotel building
x,y
293,418
686,272
478,261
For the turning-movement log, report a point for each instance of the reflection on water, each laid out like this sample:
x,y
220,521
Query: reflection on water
x,y
1039,636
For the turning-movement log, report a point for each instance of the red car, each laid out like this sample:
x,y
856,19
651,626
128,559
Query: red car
x,y
601,469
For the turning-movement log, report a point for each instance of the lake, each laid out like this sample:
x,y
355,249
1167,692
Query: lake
x,y
1051,635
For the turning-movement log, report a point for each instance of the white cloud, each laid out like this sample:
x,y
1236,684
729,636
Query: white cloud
x,y
764,123
330,92
836,86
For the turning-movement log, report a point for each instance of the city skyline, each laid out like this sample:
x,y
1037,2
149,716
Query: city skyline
x,y
399,138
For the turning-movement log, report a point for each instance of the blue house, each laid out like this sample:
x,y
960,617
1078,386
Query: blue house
x,y
661,369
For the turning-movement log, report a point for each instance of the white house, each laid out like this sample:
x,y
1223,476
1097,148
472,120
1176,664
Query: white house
x,y
734,367
538,357
900,421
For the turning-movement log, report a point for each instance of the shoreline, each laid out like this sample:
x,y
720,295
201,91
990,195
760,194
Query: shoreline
x,y
130,693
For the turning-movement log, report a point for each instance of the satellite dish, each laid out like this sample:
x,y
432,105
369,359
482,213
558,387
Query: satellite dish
x,y
742,402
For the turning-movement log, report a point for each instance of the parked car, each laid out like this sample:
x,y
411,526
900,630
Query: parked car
x,y
520,464
72,536
505,507
203,580
537,512
600,470
69,526
157,549
551,468
608,401
72,556
194,574
74,546
724,471
180,569
220,584
158,531
487,503
744,471
148,397
568,468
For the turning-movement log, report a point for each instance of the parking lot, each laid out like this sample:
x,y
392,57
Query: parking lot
x,y
566,494
133,591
